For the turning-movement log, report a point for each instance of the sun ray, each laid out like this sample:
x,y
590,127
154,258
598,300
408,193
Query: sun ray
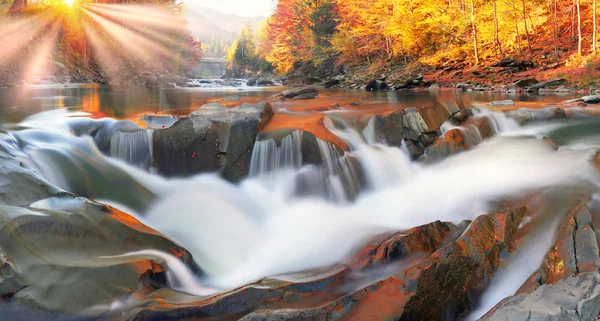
x,y
38,64
135,44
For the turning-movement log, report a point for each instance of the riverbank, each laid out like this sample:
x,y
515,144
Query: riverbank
x,y
494,77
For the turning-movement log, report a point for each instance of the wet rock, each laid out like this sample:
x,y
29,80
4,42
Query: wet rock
x,y
593,99
421,125
502,103
526,115
576,298
291,297
213,138
387,128
443,286
377,85
20,184
60,256
292,93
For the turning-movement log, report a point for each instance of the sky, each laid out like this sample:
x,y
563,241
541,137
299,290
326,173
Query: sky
x,y
244,8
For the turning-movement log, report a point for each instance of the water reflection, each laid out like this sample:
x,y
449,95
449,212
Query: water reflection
x,y
128,103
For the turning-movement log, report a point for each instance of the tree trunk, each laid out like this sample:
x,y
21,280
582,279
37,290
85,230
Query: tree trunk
x,y
556,31
517,27
595,29
18,6
578,29
496,38
526,29
476,48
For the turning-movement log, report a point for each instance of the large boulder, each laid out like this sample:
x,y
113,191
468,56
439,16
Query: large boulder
x,y
63,255
211,139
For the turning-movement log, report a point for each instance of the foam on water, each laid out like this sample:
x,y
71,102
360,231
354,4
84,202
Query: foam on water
x,y
263,226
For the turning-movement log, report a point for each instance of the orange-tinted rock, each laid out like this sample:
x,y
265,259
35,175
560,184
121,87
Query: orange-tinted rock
x,y
443,285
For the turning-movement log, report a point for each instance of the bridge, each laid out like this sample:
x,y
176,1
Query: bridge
x,y
211,68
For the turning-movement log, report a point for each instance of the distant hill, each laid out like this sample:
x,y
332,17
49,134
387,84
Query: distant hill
x,y
217,30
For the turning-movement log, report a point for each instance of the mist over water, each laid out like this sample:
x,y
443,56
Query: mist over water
x,y
239,233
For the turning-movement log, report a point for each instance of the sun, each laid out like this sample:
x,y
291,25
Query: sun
x,y
69,2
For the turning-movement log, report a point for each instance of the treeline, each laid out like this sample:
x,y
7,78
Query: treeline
x,y
434,32
244,57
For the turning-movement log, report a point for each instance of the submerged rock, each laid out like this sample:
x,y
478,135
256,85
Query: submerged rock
x,y
211,139
304,92
526,115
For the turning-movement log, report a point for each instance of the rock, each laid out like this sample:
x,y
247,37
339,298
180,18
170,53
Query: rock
x,y
592,99
434,87
463,86
514,64
546,85
576,298
562,89
20,184
332,83
502,103
305,97
386,129
291,93
525,115
321,288
62,258
459,139
213,138
415,83
421,125
377,85
527,82
232,98
265,82
251,82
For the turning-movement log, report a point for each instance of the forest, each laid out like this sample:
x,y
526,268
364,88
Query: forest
x,y
418,35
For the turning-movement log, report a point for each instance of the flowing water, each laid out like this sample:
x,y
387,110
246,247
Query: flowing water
x,y
286,217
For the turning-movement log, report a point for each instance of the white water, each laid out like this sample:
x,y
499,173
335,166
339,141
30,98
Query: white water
x,y
262,227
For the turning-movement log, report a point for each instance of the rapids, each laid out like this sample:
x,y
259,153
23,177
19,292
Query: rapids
x,y
287,217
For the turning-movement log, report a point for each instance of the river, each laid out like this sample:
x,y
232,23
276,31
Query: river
x,y
269,224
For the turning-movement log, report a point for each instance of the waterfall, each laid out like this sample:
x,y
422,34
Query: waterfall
x,y
268,157
133,147
334,179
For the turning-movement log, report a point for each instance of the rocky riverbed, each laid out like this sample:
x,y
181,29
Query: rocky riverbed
x,y
338,213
